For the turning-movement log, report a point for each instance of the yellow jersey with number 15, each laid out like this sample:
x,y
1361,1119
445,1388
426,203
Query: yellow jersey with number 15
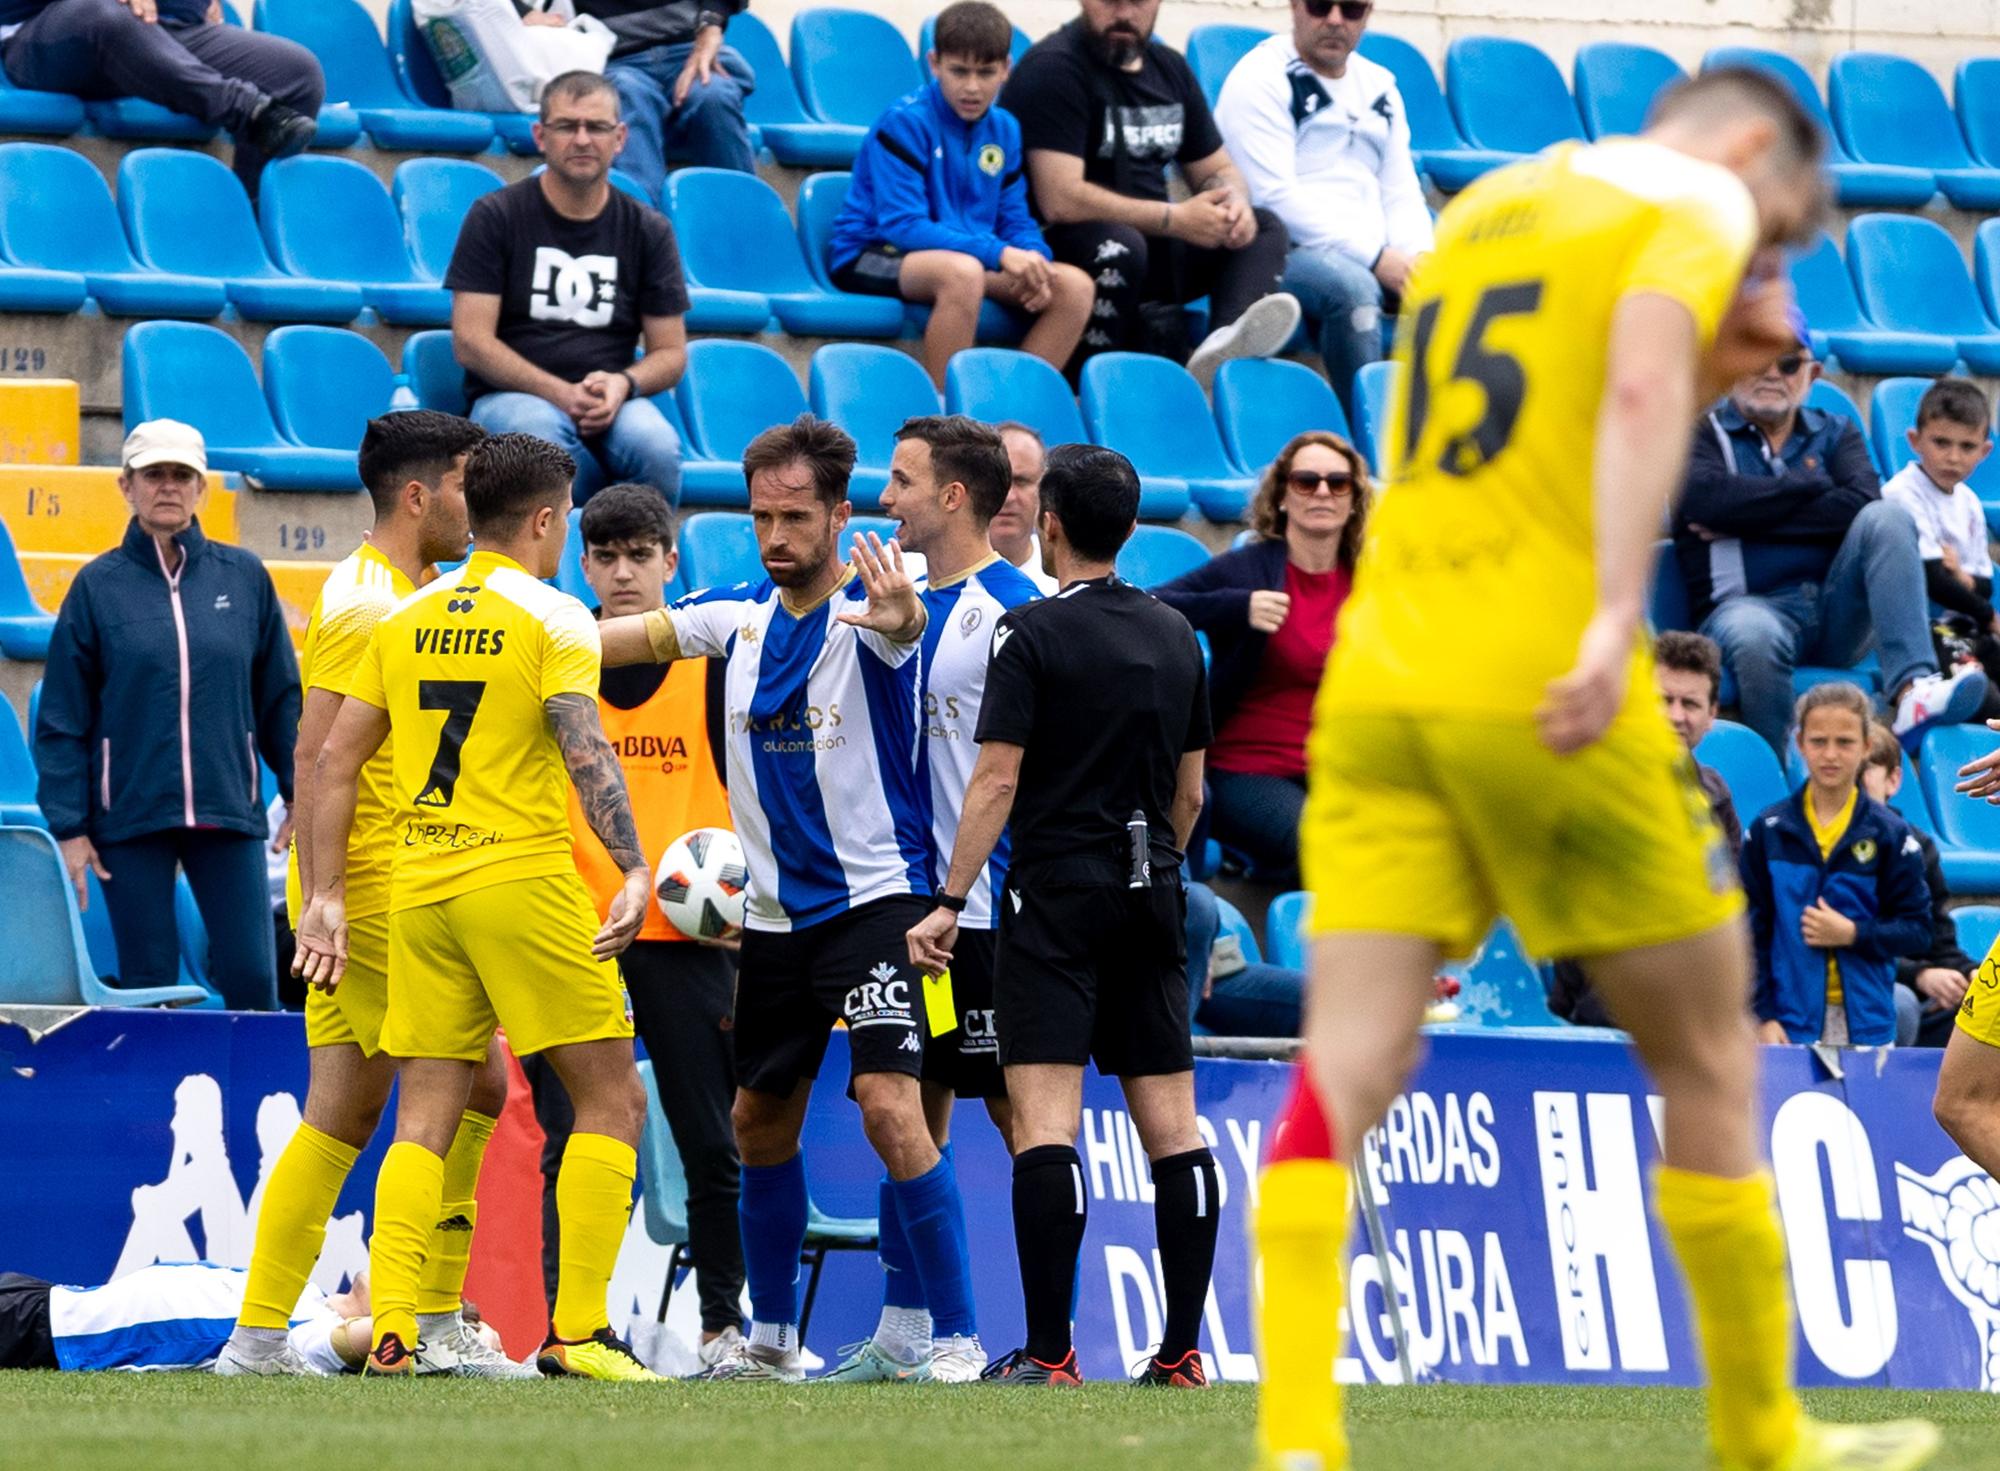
x,y
464,668
1477,575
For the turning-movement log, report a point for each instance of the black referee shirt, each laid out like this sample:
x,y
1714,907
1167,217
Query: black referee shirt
x,y
1103,688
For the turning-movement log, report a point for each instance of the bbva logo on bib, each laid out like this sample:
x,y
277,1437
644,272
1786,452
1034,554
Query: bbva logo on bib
x,y
580,289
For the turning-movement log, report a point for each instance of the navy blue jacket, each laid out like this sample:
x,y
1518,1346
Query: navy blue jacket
x,y
925,179
1215,598
161,694
1875,877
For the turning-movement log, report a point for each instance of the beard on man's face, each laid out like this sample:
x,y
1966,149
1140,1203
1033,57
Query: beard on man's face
x,y
1120,45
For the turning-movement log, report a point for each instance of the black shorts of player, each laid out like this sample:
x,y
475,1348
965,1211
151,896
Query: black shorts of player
x,y
25,1339
877,271
1094,972
967,1058
791,988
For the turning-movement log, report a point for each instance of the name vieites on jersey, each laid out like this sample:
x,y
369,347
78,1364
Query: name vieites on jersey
x,y
454,641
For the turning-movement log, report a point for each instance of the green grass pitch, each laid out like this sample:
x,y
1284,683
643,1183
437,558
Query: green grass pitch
x,y
119,1422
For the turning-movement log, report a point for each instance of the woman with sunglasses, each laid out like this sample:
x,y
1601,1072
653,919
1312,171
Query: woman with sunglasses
x,y
1268,611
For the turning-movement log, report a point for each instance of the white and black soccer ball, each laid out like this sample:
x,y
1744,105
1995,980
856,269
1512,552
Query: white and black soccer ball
x,y
700,882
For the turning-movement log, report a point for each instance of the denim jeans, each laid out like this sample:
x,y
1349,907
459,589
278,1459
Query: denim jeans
x,y
1257,1001
1873,595
707,129
1343,297
640,445
1258,816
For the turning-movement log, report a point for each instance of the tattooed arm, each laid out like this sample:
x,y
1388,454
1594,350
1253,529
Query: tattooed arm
x,y
600,790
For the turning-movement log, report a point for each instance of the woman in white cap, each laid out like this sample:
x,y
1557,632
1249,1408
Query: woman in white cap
x,y
169,674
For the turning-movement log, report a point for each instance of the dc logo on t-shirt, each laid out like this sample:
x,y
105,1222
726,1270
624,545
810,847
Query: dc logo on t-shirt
x,y
580,289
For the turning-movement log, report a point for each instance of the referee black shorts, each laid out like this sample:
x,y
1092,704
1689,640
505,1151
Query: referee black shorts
x,y
1094,972
25,1340
967,1058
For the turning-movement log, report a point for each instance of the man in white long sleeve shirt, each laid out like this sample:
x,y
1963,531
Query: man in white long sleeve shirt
x,y
1320,137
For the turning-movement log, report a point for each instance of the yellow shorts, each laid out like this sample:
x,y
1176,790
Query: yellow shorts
x,y
1979,1012
515,954
1437,825
353,1013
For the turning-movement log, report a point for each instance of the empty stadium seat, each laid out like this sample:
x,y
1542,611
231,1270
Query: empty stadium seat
x,y
24,110
731,393
199,375
186,213
1909,275
850,65
734,234
1892,412
1841,330
351,53
1857,185
869,389
1968,828
56,215
1371,410
1285,929
416,69
996,383
17,774
718,549
1500,987
1976,100
1986,265
1440,151
1214,50
1156,554
1747,765
324,384
1507,95
1827,397
1616,83
1151,411
433,373
1891,110
24,626
1260,403
792,135
331,218
433,195
1978,926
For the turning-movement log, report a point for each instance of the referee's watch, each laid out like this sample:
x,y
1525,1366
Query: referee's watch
x,y
950,901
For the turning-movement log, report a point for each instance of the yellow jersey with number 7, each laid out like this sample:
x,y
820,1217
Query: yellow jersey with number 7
x,y
464,668
1477,575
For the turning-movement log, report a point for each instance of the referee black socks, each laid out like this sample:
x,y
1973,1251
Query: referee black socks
x,y
1185,1200
1049,1214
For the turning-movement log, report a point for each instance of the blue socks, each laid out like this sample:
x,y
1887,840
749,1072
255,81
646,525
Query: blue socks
x,y
901,1286
932,1219
772,1210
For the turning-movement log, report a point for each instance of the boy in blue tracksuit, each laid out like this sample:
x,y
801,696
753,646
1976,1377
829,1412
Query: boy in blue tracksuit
x,y
1836,888
938,210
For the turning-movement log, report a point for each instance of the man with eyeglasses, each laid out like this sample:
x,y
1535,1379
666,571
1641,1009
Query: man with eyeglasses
x,y
556,281
1321,137
1791,556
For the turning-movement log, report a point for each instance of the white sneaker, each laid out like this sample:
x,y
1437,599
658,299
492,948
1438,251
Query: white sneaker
x,y
958,1359
870,1363
284,1360
475,1359
1262,331
719,1347
436,1357
1939,699
747,1361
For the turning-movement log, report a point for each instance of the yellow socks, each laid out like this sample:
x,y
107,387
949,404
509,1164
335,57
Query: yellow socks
x,y
1725,1233
443,1282
408,1192
594,1202
1300,1233
291,1224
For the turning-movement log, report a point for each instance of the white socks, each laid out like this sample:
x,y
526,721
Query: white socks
x,y
781,1338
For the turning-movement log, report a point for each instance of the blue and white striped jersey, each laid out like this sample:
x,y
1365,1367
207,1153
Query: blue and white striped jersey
x,y
958,640
822,760
172,1316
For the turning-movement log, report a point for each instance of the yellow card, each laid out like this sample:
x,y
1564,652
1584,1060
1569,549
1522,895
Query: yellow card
x,y
938,1008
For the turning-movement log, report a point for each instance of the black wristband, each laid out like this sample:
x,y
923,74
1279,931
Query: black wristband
x,y
630,382
950,901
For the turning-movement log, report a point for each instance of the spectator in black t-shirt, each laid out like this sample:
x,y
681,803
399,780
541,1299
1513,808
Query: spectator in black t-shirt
x,y
554,281
1104,109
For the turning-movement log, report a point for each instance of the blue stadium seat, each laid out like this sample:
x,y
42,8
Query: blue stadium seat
x,y
1841,330
18,807
1434,137
1976,100
1978,927
926,43
136,119
859,526
1285,929
432,372
1986,265
704,482
734,234
350,50
996,383
1231,922
1151,411
199,375
850,65
1507,95
1747,765
186,213
1909,275
569,571
32,289
433,195
1968,828
57,215
1500,987
1371,410
1828,398
1157,554
719,549
1892,410
24,627
330,218
1890,110
1910,801
1856,185
731,393
793,136
1666,598
324,384
869,389
23,110
1214,50
1616,83
1260,403
416,69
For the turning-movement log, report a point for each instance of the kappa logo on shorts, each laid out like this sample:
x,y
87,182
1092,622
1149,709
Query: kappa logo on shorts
x,y
910,1043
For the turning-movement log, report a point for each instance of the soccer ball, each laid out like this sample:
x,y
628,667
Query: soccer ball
x,y
700,883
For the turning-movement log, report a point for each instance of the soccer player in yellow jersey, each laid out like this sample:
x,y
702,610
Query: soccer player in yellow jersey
x,y
413,465
488,680
1488,739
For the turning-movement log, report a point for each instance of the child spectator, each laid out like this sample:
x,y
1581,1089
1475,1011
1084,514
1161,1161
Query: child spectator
x,y
1836,888
938,210
1930,982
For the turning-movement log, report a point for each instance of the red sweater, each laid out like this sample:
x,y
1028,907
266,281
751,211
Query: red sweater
x,y
1266,734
